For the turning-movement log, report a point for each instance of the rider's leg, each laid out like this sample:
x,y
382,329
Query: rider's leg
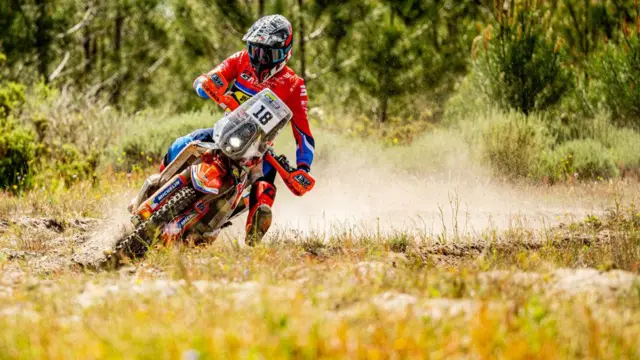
x,y
261,198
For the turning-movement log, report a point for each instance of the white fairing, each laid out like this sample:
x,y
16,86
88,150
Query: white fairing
x,y
244,133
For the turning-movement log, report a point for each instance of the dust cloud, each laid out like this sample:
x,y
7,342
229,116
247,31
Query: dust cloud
x,y
115,226
361,189
369,191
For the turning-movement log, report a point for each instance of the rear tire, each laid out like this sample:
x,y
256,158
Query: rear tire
x,y
137,243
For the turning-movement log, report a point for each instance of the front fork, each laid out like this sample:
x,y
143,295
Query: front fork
x,y
160,197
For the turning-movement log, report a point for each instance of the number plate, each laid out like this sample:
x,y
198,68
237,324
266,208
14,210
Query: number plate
x,y
263,115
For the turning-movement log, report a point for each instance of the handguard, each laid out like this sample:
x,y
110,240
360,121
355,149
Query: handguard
x,y
299,182
215,91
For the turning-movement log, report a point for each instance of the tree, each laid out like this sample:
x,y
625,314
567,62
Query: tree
x,y
521,67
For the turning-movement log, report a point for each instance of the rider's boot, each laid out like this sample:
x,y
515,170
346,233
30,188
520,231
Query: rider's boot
x,y
149,187
261,200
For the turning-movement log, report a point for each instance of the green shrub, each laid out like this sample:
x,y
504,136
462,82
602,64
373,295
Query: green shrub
x,y
512,143
17,152
579,159
520,63
623,143
148,140
625,148
71,165
618,72
12,96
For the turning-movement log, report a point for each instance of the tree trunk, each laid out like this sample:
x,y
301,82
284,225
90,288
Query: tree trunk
x,y
117,52
86,45
303,58
43,38
385,108
260,8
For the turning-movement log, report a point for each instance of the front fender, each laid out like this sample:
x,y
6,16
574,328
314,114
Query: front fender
x,y
208,177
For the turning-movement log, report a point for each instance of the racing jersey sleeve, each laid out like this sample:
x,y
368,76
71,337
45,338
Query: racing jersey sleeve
x,y
228,70
298,103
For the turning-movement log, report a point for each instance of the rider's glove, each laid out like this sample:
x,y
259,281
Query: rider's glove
x,y
305,168
214,86
300,182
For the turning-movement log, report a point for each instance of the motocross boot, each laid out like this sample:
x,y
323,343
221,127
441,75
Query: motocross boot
x,y
261,198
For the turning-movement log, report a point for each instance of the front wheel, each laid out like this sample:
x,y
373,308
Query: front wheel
x,y
136,244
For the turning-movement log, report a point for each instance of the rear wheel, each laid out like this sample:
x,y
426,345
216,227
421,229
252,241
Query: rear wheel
x,y
136,244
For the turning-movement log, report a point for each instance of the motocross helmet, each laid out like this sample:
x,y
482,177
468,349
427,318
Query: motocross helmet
x,y
269,44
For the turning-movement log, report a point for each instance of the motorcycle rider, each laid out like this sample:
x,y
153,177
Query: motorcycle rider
x,y
262,65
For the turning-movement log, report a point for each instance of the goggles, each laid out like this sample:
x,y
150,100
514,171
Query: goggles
x,y
265,55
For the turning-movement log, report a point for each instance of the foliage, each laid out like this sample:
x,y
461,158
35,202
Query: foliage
x,y
12,96
71,165
147,144
511,143
583,24
623,143
580,159
17,153
618,72
520,66
94,82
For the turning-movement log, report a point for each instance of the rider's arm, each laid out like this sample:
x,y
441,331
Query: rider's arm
x,y
300,125
221,75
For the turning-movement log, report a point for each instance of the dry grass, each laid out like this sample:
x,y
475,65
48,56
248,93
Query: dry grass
x,y
281,301
519,293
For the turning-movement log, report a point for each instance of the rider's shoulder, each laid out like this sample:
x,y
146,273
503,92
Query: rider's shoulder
x,y
240,55
290,76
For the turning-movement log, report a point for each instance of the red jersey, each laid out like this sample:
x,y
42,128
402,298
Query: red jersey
x,y
286,84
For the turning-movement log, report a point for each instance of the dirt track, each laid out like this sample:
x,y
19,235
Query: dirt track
x,y
83,242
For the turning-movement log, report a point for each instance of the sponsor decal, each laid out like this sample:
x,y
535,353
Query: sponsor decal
x,y
217,81
177,183
302,180
185,220
271,99
241,97
201,206
246,75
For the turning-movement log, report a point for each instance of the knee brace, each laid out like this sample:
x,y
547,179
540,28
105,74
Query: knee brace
x,y
261,198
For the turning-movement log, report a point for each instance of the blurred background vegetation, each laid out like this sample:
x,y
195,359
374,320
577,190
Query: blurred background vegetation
x,y
540,90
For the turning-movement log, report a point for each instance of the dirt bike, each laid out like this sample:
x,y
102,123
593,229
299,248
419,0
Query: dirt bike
x,y
201,189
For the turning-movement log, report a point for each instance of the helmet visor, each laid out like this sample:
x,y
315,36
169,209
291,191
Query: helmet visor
x,y
264,55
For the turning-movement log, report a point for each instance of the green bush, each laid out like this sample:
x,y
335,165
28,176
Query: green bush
x,y
623,143
618,72
520,66
625,147
71,165
12,96
512,143
147,140
17,152
578,159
